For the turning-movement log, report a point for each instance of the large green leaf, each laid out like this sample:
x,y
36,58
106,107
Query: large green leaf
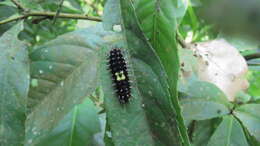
x,y
229,133
66,70
76,129
127,122
205,101
14,86
249,115
150,89
147,96
159,20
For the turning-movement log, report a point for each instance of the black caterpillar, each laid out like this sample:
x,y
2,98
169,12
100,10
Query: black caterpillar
x,y
118,69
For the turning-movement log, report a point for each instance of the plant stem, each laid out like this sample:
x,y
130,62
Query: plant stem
x,y
58,11
50,14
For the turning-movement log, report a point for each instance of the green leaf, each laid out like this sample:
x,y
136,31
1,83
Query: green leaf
x,y
111,18
43,31
69,6
156,17
242,97
254,80
242,43
31,4
189,65
155,105
158,20
249,115
161,9
14,86
150,104
6,12
67,71
77,128
252,141
38,31
201,131
127,121
229,133
257,101
205,101
193,18
108,136
7,3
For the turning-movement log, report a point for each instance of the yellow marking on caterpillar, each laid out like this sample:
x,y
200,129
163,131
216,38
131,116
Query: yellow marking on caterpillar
x,y
120,76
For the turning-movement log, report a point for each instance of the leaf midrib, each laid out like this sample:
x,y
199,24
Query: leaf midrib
x,y
229,131
74,117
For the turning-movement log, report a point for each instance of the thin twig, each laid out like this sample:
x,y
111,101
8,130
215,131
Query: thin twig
x,y
183,44
11,19
58,11
50,14
19,6
252,56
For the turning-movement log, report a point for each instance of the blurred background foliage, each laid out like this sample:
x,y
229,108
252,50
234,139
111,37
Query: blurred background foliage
x,y
41,29
208,20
